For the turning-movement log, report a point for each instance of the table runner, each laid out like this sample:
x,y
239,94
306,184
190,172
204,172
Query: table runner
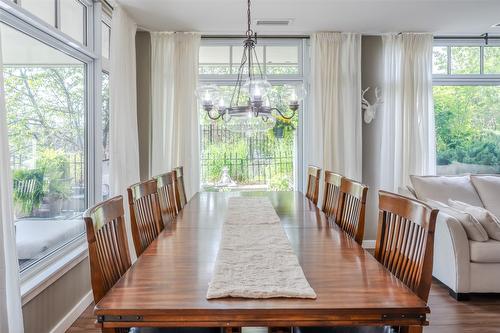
x,y
255,258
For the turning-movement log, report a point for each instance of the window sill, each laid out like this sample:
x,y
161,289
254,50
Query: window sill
x,y
37,279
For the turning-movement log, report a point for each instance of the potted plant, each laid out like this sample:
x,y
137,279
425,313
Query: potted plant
x,y
28,191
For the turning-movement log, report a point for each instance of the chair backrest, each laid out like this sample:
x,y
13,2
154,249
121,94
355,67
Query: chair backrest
x,y
108,249
313,175
166,196
145,215
405,240
351,217
180,190
331,198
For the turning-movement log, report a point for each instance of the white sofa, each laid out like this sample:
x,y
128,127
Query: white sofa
x,y
465,266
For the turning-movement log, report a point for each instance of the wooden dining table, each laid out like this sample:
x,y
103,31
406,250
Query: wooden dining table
x,y
167,285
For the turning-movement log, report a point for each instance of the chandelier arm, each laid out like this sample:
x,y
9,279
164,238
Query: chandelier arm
x,y
258,63
282,115
219,114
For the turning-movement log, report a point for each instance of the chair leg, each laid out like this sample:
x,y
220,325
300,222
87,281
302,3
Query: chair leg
x,y
411,329
233,330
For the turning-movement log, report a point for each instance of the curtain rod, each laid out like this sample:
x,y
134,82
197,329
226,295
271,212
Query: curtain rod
x,y
258,36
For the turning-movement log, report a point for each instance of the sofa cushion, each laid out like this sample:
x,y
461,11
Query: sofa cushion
x,y
488,187
442,188
472,227
486,252
489,221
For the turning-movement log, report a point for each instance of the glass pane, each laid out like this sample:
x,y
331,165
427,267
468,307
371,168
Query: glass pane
x,y
282,60
44,9
440,60
467,129
45,100
106,40
491,60
105,136
246,154
214,60
465,60
73,19
237,55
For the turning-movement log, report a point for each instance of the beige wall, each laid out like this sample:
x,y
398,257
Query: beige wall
x,y
48,308
371,76
143,60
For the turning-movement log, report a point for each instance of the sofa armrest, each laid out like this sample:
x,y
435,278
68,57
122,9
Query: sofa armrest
x,y
451,254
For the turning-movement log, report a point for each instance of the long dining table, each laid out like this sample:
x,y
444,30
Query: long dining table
x,y
167,285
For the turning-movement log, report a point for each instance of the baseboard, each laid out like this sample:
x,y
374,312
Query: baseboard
x,y
73,314
369,244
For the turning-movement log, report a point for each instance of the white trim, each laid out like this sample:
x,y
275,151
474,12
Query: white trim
x,y
73,314
369,244
41,278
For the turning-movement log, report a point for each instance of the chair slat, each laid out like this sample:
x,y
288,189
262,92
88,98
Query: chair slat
x,y
166,194
331,197
180,189
405,240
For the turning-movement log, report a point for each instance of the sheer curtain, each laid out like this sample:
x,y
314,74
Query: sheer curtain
x,y
408,135
123,136
10,296
175,123
333,125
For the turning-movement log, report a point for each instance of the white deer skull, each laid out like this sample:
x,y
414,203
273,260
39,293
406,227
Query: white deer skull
x,y
370,109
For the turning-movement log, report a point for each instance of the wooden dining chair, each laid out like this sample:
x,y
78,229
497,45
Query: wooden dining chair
x,y
145,215
313,176
351,215
331,197
405,240
180,190
166,195
108,249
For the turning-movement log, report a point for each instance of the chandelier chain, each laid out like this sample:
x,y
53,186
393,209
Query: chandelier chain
x,y
249,20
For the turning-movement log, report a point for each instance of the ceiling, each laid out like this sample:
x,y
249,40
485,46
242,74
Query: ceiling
x,y
444,17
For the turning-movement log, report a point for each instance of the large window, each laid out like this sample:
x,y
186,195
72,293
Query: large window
x,y
251,154
467,107
46,104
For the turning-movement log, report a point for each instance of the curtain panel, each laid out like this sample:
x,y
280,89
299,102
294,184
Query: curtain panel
x,y
408,132
334,123
11,315
175,123
123,134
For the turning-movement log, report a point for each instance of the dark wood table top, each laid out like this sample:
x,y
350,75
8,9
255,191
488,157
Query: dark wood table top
x,y
167,285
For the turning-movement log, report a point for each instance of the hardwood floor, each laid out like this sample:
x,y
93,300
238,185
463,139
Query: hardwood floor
x,y
479,314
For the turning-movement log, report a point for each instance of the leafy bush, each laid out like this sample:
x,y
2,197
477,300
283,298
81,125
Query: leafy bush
x,y
28,189
55,167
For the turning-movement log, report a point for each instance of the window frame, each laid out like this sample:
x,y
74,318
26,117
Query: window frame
x,y
39,275
465,79
303,77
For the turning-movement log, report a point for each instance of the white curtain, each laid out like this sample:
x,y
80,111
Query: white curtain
x,y
11,316
408,133
175,123
333,125
124,142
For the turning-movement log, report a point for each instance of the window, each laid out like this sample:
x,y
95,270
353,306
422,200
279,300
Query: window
x,y
467,107
45,92
251,155
105,50
69,16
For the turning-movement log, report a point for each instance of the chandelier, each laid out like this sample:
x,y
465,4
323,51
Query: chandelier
x,y
250,99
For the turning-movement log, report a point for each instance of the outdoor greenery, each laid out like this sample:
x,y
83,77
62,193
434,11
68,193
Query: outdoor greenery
x,y
45,115
467,116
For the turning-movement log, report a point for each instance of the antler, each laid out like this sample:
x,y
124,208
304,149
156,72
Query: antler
x,y
364,102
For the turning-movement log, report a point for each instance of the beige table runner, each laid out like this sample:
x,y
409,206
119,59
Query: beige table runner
x,y
255,258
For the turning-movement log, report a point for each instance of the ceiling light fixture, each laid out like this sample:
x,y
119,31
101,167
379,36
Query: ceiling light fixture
x,y
250,97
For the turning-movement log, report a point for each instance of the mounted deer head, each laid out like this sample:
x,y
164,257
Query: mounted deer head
x,y
370,109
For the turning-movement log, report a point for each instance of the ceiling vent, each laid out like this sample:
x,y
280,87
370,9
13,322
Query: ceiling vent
x,y
273,22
